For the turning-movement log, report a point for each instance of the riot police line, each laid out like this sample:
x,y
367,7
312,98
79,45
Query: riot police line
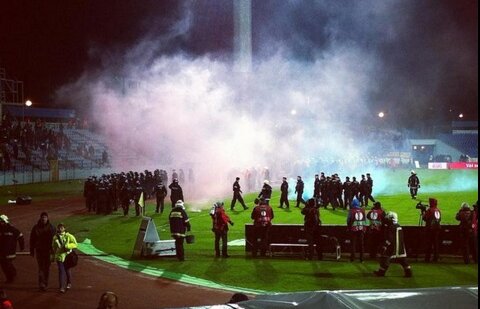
x,y
109,192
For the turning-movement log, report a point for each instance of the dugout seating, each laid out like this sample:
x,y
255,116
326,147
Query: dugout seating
x,y
414,239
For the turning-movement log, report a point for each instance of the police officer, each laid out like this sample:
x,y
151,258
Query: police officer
x,y
262,216
347,192
369,190
160,194
468,233
316,188
311,225
176,192
355,188
376,217
126,195
179,225
299,191
393,247
138,196
356,225
89,193
237,194
432,217
414,184
284,193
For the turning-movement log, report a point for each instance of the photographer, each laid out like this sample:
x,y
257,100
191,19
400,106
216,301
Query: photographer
x,y
432,217
414,184
220,221
312,225
468,232
376,217
356,226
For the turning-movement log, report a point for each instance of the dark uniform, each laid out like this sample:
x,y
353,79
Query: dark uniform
x,y
237,195
266,192
432,218
468,233
393,247
160,194
347,192
176,192
89,194
413,183
311,225
284,193
369,190
355,188
299,190
41,238
9,236
126,195
316,188
179,225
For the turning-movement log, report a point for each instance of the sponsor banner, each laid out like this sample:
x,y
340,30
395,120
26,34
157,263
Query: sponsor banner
x,y
437,165
463,165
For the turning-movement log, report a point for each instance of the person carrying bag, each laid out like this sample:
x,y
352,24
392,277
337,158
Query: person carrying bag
x,y
62,246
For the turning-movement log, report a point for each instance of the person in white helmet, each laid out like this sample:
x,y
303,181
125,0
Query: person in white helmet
x,y
266,192
393,248
9,236
414,184
179,225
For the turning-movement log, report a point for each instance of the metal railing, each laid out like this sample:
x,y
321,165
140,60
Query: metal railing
x,y
29,174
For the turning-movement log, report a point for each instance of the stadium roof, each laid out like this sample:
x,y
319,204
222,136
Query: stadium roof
x,y
20,111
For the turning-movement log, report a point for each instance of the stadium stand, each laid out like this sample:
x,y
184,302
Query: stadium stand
x,y
466,143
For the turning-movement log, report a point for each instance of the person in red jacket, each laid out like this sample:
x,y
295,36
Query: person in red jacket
x,y
220,228
262,216
5,303
432,217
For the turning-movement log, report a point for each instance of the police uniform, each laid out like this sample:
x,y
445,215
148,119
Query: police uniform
x,y
237,195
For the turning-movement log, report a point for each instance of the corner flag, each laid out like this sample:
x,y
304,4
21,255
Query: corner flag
x,y
141,202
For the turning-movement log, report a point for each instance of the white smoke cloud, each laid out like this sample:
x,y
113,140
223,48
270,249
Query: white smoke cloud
x,y
195,111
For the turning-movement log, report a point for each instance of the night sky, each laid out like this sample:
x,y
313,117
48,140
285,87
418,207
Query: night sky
x,y
427,48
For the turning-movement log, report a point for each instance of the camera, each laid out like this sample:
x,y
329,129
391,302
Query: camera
x,y
421,206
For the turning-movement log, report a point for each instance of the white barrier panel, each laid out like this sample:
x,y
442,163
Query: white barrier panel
x,y
437,165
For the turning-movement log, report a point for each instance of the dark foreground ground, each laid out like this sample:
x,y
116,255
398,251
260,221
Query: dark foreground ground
x,y
91,278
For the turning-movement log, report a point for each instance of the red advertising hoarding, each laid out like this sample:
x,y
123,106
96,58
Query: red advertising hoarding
x,y
463,165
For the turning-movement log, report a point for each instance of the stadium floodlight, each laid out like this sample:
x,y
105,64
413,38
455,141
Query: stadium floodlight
x,y
381,114
28,103
460,115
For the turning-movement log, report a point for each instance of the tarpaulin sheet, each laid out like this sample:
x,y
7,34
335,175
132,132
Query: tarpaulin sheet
x,y
448,297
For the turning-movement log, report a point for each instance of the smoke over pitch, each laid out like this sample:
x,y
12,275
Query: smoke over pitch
x,y
191,109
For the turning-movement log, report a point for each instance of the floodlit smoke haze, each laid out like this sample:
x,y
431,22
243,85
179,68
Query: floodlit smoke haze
x,y
180,109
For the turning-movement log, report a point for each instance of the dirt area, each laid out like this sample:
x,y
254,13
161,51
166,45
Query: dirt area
x,y
91,278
